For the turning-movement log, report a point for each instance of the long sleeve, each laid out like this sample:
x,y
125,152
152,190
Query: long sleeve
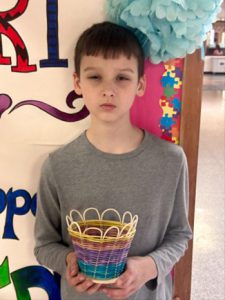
x,y
178,231
49,249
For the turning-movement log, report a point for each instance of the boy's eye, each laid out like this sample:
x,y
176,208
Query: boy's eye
x,y
122,77
94,77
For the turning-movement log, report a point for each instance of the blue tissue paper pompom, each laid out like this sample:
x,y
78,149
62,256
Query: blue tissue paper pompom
x,y
166,29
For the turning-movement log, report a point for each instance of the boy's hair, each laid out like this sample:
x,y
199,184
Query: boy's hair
x,y
109,40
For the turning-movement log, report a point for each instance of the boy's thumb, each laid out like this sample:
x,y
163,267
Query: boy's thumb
x,y
73,268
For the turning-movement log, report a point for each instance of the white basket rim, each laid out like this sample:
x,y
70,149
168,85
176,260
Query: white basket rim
x,y
132,224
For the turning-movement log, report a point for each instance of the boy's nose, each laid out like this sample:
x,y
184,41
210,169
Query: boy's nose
x,y
108,93
108,90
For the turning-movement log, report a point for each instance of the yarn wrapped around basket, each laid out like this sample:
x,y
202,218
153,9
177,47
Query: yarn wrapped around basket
x,y
166,29
101,245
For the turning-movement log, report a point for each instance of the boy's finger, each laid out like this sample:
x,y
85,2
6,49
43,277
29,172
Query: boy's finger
x,y
77,280
93,289
116,293
74,269
68,274
73,272
124,280
84,286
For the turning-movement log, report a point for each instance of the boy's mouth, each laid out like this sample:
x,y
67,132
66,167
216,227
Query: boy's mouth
x,y
107,106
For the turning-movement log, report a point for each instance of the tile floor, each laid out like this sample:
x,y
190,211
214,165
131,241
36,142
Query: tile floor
x,y
208,277
214,82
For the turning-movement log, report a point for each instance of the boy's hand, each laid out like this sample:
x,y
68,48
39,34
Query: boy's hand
x,y
77,280
138,271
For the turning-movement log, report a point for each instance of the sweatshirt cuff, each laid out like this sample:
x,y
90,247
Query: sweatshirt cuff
x,y
153,283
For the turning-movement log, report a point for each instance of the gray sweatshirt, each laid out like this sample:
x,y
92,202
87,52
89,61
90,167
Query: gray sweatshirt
x,y
150,181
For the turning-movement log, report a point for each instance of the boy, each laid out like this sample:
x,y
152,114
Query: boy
x,y
114,164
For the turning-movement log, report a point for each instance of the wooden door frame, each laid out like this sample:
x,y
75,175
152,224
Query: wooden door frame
x,y
189,140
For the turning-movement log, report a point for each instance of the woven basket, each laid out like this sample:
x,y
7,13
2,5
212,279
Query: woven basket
x,y
102,245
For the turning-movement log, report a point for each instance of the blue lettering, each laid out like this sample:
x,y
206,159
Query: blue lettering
x,y
52,38
32,276
9,202
3,201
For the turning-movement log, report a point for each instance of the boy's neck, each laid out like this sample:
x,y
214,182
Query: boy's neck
x,y
115,140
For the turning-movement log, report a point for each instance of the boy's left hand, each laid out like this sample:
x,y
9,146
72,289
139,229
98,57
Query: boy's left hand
x,y
138,271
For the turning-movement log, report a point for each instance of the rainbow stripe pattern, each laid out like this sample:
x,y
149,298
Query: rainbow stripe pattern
x,y
101,245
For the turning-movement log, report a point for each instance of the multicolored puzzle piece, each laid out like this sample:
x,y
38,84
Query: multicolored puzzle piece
x,y
170,102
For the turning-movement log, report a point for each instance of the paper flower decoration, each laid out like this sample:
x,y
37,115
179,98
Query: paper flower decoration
x,y
166,28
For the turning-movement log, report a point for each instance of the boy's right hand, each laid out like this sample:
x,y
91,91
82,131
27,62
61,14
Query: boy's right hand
x,y
77,280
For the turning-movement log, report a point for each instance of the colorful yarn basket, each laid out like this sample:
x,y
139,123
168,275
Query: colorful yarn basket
x,y
102,245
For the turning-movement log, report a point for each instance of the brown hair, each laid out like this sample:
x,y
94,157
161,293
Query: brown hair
x,y
109,40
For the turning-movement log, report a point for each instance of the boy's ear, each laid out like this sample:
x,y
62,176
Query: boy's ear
x,y
76,83
141,86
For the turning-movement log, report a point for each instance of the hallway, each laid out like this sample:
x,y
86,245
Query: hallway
x,y
208,273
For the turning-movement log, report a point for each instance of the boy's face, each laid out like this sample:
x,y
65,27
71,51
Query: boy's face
x,y
109,86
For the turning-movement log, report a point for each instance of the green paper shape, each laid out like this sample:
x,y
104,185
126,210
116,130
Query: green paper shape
x,y
4,273
169,91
